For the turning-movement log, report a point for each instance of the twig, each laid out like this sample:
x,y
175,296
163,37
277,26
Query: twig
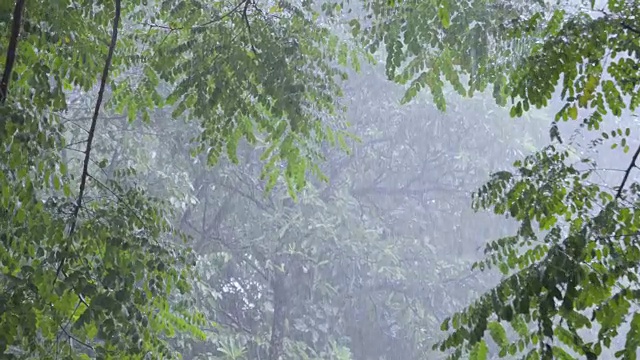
x,y
68,146
627,172
242,257
66,325
76,124
118,197
630,28
259,204
228,13
11,50
246,20
207,23
75,338
96,112
164,27
117,117
236,323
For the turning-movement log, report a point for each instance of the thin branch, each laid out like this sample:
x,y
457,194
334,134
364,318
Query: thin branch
x,y
235,322
235,8
92,130
158,26
67,324
201,185
76,124
84,118
188,223
75,338
74,149
69,146
207,23
118,197
247,196
11,50
204,215
627,172
246,20
606,169
242,257
216,222
392,191
630,28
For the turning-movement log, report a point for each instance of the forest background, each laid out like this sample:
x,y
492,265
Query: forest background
x,y
301,180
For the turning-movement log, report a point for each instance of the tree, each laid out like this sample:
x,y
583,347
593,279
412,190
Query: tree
x,y
572,264
92,262
89,260
77,265
359,273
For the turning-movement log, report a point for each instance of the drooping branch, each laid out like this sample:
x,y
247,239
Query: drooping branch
x,y
92,129
627,172
11,50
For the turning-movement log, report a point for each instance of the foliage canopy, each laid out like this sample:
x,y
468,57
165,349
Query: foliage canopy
x,y
93,264
88,255
572,264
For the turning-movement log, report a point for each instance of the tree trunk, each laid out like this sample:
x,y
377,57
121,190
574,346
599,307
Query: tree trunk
x,y
276,345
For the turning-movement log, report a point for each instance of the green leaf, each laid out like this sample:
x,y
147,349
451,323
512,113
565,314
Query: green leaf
x,y
498,334
480,351
443,13
573,112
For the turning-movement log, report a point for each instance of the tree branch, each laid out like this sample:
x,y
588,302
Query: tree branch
x,y
403,191
92,129
11,50
235,322
205,24
246,20
76,339
228,13
627,172
630,28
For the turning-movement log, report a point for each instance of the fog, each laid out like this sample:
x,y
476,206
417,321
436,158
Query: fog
x,y
360,254
370,261
366,264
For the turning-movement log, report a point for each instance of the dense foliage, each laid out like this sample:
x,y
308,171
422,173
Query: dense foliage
x,y
572,264
89,258
238,180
